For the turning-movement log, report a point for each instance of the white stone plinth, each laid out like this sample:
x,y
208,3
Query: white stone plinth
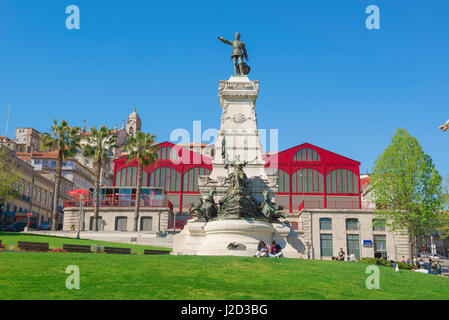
x,y
239,130
213,238
219,234
190,239
238,127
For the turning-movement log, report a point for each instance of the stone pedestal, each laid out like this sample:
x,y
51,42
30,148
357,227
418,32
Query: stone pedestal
x,y
190,239
238,128
213,238
219,234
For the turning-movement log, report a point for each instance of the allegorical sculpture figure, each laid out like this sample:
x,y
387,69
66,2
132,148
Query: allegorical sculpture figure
x,y
238,201
238,54
238,177
207,209
268,210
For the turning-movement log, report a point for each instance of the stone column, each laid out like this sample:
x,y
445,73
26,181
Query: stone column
x,y
238,127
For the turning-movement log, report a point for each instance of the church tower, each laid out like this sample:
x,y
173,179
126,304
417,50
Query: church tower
x,y
133,124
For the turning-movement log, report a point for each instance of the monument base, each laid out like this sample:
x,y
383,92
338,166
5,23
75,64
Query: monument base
x,y
236,237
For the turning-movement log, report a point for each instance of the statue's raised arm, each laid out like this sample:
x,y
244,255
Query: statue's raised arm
x,y
224,40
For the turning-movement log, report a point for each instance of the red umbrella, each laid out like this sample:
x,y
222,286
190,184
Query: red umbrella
x,y
77,193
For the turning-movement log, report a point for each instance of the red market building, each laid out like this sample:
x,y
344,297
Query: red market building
x,y
309,177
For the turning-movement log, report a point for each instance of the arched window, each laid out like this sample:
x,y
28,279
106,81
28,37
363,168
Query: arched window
x,y
127,177
167,178
307,181
342,181
190,179
306,154
144,178
167,153
124,177
283,180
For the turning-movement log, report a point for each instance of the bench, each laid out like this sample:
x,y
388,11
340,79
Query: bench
x,y
117,250
76,248
33,246
149,251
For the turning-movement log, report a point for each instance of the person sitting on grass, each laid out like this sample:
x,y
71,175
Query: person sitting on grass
x,y
262,250
351,256
341,255
275,250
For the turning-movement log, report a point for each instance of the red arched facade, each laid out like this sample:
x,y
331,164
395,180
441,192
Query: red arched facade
x,y
315,178
309,176
174,165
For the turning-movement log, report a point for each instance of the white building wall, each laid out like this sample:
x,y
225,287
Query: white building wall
x,y
397,244
160,217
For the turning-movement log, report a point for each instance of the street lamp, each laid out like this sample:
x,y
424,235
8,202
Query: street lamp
x,y
79,194
444,126
81,213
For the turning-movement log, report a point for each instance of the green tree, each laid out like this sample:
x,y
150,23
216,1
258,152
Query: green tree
x,y
65,140
9,176
444,229
143,149
407,189
99,146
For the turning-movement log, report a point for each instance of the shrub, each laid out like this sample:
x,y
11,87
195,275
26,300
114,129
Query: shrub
x,y
387,263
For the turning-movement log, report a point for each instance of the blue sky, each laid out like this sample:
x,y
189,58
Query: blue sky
x,y
324,78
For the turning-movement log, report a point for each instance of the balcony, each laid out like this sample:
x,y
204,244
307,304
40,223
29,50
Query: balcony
x,y
122,201
330,204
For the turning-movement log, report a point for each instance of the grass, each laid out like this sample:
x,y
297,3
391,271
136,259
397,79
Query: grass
x,y
11,239
33,275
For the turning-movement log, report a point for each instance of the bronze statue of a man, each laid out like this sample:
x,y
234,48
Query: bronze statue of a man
x,y
238,53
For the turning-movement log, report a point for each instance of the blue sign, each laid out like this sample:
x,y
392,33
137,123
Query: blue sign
x,y
367,243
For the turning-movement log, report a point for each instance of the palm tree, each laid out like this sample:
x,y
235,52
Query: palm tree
x,y
143,149
98,147
65,140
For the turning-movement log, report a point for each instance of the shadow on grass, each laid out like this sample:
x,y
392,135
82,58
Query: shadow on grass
x,y
57,241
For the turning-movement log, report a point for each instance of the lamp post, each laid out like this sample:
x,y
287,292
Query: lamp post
x,y
79,220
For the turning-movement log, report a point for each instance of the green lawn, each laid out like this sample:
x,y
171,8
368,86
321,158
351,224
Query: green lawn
x,y
11,239
42,276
